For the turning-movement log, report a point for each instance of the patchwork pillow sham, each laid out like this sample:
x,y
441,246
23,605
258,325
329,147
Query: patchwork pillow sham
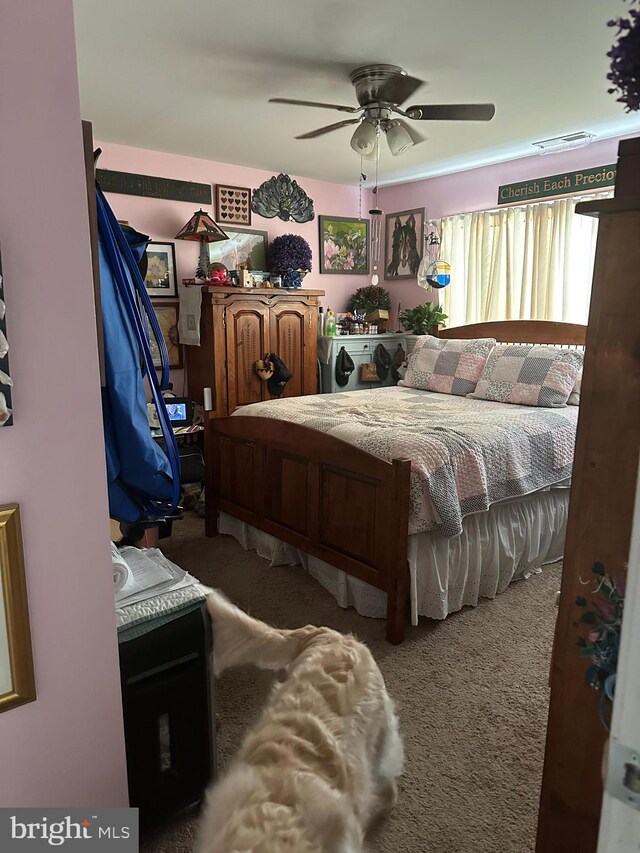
x,y
448,366
529,375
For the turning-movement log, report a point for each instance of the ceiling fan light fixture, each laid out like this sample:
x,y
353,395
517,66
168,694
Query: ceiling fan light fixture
x,y
398,137
363,140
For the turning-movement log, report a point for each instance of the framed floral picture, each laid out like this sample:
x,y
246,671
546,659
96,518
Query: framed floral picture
x,y
167,314
344,245
403,243
244,246
160,279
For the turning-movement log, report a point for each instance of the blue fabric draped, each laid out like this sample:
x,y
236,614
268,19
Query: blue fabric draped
x,y
143,480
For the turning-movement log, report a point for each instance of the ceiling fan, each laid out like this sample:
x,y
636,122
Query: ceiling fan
x,y
380,89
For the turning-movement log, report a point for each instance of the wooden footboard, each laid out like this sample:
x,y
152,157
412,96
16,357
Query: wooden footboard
x,y
318,493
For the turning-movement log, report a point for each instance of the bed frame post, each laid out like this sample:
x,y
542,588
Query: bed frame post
x,y
398,589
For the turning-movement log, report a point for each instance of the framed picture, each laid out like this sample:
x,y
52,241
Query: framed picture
x,y
167,314
160,279
344,245
244,246
233,205
17,684
403,243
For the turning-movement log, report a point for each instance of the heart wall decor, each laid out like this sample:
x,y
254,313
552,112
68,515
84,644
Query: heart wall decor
x,y
233,205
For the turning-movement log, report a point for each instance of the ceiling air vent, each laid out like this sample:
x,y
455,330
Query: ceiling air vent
x,y
564,143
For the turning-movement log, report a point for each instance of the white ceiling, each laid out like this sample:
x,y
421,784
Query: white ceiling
x,y
193,77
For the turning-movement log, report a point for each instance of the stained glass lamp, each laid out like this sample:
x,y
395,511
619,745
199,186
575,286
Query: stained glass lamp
x,y
201,227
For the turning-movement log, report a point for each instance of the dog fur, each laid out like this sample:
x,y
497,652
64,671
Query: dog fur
x,y
322,760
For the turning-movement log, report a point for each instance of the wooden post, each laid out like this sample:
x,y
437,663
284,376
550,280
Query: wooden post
x,y
87,141
600,513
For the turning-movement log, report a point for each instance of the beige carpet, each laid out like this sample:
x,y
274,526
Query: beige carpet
x,y
471,694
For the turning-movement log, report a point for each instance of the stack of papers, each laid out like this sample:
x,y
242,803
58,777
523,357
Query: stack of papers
x,y
140,573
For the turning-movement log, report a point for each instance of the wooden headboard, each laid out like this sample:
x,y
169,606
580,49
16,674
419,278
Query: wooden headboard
x,y
522,332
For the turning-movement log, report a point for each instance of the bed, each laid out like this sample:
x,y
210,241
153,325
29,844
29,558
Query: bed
x,y
350,480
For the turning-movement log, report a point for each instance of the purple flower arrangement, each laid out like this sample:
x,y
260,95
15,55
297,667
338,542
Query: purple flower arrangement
x,y
289,252
601,644
625,60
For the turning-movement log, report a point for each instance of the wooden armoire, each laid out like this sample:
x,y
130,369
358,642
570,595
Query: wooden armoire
x,y
240,326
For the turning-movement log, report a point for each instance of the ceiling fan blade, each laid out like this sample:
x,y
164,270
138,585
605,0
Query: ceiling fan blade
x,y
328,128
314,104
452,112
398,88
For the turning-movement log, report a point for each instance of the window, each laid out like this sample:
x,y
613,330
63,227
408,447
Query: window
x,y
531,262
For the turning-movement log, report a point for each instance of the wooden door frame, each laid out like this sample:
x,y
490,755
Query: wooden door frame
x,y
600,514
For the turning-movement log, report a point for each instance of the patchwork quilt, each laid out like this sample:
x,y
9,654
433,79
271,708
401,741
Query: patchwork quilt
x,y
465,454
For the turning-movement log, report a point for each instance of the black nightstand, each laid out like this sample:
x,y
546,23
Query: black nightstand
x,y
168,701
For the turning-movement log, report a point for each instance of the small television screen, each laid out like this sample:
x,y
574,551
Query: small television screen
x,y
177,411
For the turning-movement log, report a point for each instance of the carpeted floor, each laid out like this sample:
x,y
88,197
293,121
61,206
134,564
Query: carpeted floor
x,y
471,694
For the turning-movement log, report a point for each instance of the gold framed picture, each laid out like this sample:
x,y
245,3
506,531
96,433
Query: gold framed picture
x,y
17,684
167,314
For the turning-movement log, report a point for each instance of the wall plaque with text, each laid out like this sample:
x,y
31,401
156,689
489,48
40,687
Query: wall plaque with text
x,y
566,183
147,185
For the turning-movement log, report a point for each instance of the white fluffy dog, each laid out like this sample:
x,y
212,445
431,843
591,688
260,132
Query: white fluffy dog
x,y
322,760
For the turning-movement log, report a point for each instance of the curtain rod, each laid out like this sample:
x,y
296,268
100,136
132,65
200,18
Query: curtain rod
x,y
526,204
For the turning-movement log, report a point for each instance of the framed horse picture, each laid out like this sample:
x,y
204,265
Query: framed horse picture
x,y
403,245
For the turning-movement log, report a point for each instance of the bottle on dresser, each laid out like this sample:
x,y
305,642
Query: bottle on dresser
x,y
330,324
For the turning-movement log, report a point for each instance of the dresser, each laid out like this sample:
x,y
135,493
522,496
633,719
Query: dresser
x,y
237,328
361,349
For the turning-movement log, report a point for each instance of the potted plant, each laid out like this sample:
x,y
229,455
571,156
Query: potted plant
x,y
368,299
290,256
423,319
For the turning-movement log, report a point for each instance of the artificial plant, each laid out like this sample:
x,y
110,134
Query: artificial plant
x,y
289,252
367,299
423,319
625,60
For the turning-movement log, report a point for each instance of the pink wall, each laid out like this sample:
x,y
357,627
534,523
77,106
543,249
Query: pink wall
x,y
66,748
477,189
162,219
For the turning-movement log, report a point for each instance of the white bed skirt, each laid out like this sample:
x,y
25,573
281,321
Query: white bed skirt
x,y
512,540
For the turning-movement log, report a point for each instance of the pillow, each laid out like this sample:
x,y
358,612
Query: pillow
x,y
529,375
449,366
574,396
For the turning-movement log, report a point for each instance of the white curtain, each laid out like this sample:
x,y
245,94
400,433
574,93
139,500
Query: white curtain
x,y
532,262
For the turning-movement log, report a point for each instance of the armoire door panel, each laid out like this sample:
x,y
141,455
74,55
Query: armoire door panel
x,y
293,326
247,329
287,341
